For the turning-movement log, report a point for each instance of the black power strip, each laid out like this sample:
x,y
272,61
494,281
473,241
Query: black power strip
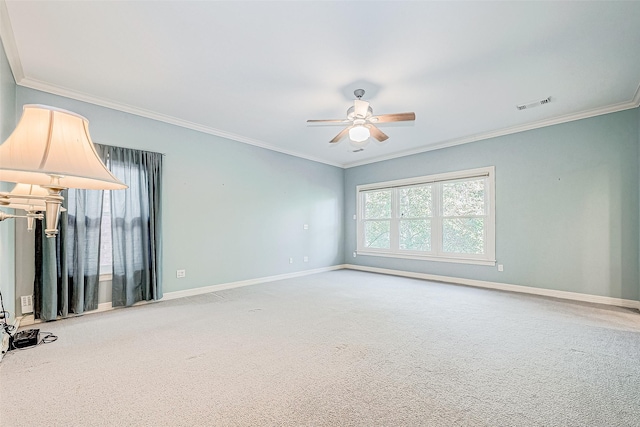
x,y
24,339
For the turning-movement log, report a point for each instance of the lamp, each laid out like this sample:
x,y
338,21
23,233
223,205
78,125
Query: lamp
x,y
359,133
25,196
52,148
31,216
30,198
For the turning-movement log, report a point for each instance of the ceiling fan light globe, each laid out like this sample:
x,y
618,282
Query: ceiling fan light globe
x,y
359,133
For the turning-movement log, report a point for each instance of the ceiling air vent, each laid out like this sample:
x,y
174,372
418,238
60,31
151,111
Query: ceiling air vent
x,y
534,104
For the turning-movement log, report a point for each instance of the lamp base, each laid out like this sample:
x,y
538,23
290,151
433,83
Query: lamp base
x,y
52,214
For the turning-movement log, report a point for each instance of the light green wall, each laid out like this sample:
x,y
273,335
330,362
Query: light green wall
x,y
567,205
231,211
568,198
7,228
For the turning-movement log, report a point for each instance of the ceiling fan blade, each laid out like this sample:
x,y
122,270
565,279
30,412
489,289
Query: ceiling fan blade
x,y
388,118
377,133
360,108
329,121
341,135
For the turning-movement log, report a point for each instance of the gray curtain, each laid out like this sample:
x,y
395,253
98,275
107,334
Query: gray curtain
x,y
82,248
84,211
51,281
135,223
75,252
68,267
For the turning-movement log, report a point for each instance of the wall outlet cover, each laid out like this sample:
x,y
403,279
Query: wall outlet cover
x,y
26,303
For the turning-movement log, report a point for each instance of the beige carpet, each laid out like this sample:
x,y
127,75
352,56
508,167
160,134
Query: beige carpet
x,y
343,348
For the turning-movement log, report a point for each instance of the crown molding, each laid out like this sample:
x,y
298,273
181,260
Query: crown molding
x,y
9,43
13,57
627,105
80,96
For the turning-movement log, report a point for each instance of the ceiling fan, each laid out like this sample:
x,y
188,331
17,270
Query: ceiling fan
x,y
361,123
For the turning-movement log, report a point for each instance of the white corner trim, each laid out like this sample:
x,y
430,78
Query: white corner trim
x,y
90,99
627,105
574,296
636,98
21,80
231,285
9,43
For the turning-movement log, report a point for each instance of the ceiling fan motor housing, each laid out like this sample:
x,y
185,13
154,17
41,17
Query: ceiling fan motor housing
x,y
361,123
351,113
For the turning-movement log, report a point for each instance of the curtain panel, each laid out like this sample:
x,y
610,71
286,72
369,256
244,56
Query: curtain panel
x,y
50,288
84,216
136,217
68,267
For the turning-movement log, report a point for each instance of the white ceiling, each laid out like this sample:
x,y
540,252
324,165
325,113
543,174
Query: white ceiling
x,y
256,71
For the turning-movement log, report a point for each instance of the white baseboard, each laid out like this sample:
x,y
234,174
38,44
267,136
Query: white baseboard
x,y
574,296
102,307
213,288
105,306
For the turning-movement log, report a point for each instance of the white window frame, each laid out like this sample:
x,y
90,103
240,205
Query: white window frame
x,y
436,253
106,269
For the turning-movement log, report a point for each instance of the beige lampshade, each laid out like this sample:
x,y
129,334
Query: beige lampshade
x,y
50,142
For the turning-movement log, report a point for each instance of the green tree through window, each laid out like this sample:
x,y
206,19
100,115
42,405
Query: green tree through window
x,y
431,217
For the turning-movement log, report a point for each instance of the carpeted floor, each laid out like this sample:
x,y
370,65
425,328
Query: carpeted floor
x,y
342,348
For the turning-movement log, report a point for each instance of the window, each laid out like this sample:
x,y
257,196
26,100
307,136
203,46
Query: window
x,y
447,217
106,261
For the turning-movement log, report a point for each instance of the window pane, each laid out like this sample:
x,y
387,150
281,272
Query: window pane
x,y
377,204
415,202
376,234
463,235
105,235
463,198
415,235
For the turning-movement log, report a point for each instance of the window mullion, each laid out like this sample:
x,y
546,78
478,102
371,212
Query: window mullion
x,y
436,225
458,226
360,221
394,236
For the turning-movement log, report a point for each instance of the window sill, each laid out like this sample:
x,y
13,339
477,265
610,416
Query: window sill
x,y
105,277
473,261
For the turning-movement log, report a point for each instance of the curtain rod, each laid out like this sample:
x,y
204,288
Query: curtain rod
x,y
129,148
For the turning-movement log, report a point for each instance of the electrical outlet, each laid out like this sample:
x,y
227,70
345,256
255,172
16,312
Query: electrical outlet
x,y
500,267
305,227
181,273
26,303
290,260
305,259
355,254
